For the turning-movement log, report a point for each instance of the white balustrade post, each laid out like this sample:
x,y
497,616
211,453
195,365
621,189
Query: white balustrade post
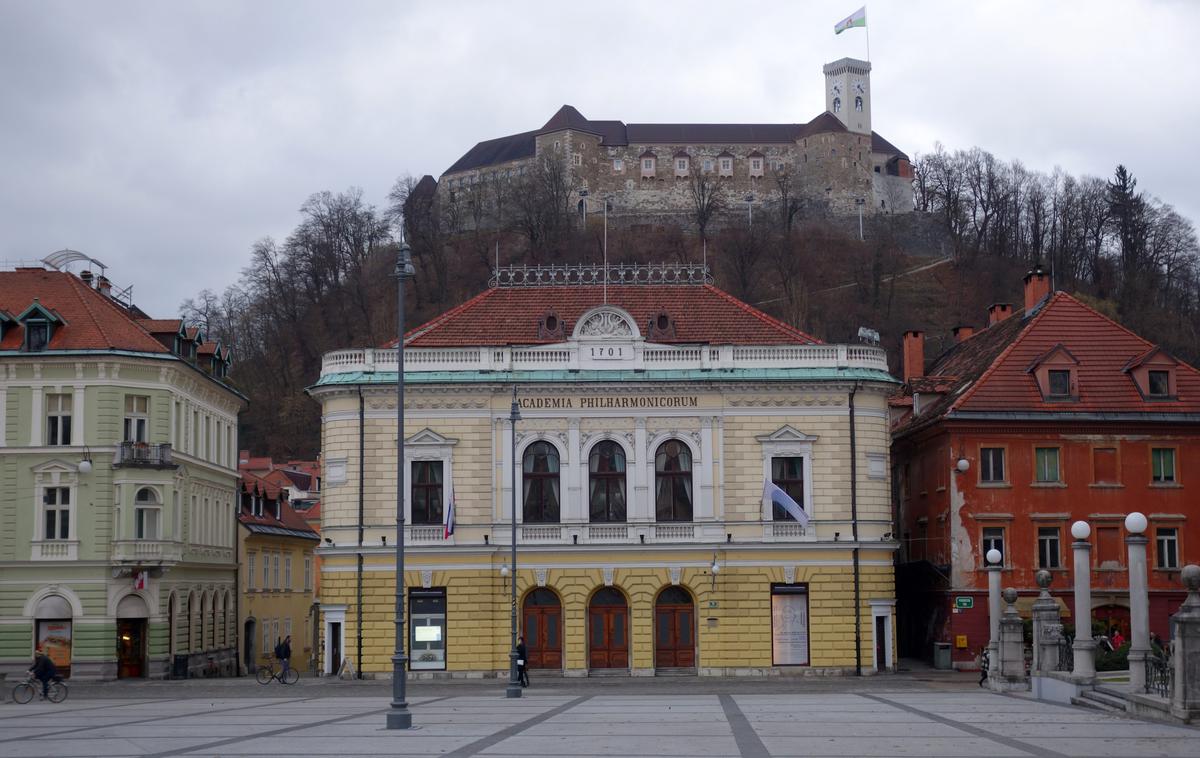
x,y
1084,647
1139,601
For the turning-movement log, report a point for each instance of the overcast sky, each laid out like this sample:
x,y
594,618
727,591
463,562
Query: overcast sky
x,y
164,138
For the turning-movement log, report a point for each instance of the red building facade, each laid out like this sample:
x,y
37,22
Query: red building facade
x,y
1049,415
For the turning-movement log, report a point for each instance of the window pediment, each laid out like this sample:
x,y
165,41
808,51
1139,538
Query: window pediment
x,y
429,438
787,433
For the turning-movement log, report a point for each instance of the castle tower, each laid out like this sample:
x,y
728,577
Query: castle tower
x,y
848,93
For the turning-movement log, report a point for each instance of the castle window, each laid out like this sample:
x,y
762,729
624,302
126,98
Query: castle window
x,y
877,170
618,165
727,167
707,165
858,104
681,166
837,106
756,167
648,164
577,159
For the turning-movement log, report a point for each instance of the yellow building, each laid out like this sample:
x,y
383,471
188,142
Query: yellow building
x,y
652,416
275,552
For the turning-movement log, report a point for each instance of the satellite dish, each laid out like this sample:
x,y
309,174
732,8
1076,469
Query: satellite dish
x,y
66,257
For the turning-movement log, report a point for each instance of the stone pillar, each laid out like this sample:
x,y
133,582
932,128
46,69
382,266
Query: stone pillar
x,y
1139,602
1185,653
1084,647
1047,627
1012,644
995,565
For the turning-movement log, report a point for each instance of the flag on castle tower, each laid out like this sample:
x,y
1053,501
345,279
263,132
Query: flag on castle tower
x,y
857,18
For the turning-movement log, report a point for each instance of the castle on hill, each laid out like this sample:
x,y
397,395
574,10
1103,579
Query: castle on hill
x,y
834,162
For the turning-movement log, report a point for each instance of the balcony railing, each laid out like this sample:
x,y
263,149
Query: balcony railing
x,y
575,357
1160,675
139,551
55,550
143,455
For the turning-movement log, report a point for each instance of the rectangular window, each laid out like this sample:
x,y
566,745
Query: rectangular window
x,y
681,164
707,165
1160,383
1060,383
727,164
618,165
287,627
58,419
268,644
1104,466
37,335
1162,465
266,572
647,164
577,159
756,164
1048,552
426,492
1046,465
145,523
57,504
993,539
1109,551
307,573
251,566
275,584
991,464
789,624
427,624
788,475
1166,543
287,572
137,410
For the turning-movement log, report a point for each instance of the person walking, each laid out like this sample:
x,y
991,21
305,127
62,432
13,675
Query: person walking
x,y
984,661
285,655
522,663
43,670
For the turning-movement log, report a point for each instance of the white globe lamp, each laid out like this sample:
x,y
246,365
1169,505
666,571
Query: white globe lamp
x,y
1080,530
1135,523
993,557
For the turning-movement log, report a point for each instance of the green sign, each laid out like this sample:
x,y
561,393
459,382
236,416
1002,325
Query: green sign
x,y
712,603
963,602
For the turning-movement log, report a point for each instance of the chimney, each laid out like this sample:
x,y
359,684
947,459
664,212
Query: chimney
x,y
86,277
103,285
243,457
914,354
1037,287
997,312
962,332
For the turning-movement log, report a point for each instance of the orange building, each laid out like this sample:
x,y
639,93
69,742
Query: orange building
x,y
1049,415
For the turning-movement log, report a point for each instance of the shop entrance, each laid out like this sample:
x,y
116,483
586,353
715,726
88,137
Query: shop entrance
x,y
674,630
608,632
541,623
132,615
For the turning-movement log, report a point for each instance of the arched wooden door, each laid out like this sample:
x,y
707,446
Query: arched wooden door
x,y
541,624
608,630
674,629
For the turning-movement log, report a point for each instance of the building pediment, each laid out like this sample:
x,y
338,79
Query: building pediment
x,y
429,438
787,433
606,322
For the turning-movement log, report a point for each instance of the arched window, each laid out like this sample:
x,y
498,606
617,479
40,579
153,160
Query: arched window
x,y
837,105
858,104
673,482
146,514
541,497
606,482
788,475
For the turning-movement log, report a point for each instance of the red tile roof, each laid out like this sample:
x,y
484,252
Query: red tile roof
x,y
93,321
990,371
702,314
161,325
288,517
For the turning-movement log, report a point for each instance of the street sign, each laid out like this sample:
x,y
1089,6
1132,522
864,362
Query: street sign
x,y
963,602
712,603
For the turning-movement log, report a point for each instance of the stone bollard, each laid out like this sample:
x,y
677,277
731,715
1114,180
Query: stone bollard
x,y
1047,627
1012,645
1185,655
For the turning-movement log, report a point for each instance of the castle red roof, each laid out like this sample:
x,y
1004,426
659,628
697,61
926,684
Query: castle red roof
x,y
93,321
702,314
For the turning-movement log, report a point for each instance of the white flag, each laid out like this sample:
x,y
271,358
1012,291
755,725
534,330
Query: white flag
x,y
777,496
449,517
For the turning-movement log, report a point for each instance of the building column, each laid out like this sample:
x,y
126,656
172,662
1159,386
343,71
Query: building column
x,y
995,561
1084,647
1139,602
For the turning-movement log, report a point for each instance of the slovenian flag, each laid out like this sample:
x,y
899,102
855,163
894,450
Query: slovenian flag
x,y
857,18
449,517
772,492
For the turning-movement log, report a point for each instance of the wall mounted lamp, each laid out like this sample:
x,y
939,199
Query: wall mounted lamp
x,y
715,568
961,465
85,463
504,572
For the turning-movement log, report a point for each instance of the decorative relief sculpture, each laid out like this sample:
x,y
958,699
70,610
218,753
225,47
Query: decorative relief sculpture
x,y
605,324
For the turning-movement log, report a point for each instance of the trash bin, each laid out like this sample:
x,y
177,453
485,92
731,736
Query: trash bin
x,y
941,656
179,667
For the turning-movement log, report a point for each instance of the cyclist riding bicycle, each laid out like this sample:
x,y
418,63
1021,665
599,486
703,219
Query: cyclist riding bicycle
x,y
283,651
43,670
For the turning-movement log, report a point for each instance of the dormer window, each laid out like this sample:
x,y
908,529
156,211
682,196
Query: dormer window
x,y
726,165
39,323
648,164
37,336
1060,383
1159,383
681,165
1057,375
756,165
661,327
551,327
1153,373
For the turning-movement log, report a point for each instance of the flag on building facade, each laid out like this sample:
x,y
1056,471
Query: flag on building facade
x,y
449,517
857,18
774,493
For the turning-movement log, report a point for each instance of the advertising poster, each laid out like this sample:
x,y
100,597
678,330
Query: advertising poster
x,y
789,628
54,638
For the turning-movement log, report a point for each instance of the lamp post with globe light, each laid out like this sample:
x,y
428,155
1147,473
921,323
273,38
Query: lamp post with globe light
x,y
1084,647
1139,601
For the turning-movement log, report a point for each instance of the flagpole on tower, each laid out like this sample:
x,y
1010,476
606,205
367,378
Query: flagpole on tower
x,y
868,28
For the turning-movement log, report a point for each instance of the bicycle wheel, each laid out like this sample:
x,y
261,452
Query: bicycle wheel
x,y
291,677
57,692
264,675
23,692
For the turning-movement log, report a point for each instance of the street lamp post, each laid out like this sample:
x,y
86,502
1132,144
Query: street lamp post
x,y
1139,601
1084,647
514,685
399,717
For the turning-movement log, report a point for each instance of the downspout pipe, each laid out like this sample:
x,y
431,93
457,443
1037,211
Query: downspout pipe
x,y
854,534
362,465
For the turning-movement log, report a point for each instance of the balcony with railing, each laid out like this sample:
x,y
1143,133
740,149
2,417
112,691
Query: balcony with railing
x,y
608,533
574,357
143,455
146,551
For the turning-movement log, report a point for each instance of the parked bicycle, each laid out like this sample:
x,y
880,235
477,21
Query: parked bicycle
x,y
56,692
267,673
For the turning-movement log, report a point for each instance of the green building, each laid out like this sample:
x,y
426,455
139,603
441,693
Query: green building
x,y
118,482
